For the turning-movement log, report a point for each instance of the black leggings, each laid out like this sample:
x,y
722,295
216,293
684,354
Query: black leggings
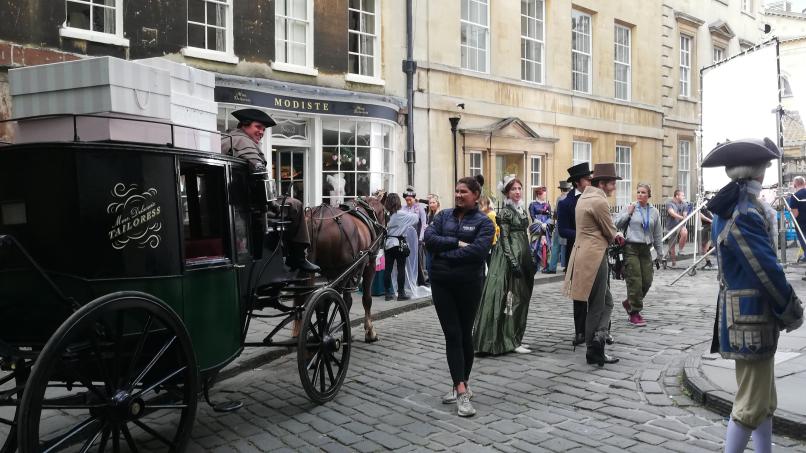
x,y
392,256
456,305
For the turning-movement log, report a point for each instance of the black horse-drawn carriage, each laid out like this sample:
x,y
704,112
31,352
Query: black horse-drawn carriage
x,y
129,274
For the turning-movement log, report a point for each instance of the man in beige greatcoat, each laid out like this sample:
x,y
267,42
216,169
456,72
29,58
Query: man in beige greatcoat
x,y
588,275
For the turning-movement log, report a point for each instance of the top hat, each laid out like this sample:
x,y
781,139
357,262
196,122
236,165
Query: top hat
x,y
744,152
249,115
603,172
565,185
579,171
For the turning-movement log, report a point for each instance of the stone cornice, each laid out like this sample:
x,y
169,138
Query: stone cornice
x,y
722,30
688,19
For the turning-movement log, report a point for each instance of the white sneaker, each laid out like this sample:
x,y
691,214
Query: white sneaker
x,y
463,406
522,350
450,397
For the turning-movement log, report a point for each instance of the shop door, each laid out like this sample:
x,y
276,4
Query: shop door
x,y
289,168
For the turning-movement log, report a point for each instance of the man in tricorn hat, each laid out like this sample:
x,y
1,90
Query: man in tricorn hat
x,y
587,277
755,301
244,142
579,176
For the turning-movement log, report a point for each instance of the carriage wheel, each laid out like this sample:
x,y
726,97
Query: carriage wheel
x,y
323,350
118,374
12,380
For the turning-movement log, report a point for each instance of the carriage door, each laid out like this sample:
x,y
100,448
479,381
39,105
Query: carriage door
x,y
209,284
290,140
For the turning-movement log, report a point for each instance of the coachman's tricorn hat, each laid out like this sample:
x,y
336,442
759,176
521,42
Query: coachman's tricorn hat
x,y
603,172
579,171
744,152
249,115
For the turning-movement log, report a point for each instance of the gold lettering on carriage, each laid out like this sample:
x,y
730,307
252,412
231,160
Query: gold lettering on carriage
x,y
136,217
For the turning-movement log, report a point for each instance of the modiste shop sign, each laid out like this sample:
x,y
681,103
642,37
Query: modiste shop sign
x,y
303,105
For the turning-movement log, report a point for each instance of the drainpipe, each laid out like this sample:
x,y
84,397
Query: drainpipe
x,y
410,67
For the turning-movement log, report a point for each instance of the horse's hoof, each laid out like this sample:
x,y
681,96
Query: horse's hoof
x,y
370,339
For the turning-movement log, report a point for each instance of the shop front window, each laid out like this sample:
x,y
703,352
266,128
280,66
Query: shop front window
x,y
356,159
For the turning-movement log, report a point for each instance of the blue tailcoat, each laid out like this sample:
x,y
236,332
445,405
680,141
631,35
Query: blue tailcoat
x,y
566,220
755,301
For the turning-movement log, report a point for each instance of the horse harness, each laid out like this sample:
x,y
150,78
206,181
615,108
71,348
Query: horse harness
x,y
368,218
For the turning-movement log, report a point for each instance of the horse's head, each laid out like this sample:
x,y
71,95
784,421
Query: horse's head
x,y
375,203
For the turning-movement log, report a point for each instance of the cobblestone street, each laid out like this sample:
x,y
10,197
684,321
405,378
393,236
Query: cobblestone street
x,y
550,400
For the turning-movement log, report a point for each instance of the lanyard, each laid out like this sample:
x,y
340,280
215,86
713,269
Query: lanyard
x,y
644,218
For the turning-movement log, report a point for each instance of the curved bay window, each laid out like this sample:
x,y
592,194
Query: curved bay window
x,y
356,159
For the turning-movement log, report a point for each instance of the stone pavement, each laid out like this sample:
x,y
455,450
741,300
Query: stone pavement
x,y
550,400
711,379
381,309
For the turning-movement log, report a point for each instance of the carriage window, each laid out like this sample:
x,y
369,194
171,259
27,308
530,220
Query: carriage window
x,y
204,212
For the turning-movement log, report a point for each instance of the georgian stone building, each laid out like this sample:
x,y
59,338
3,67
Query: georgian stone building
x,y
790,28
538,86
695,34
327,71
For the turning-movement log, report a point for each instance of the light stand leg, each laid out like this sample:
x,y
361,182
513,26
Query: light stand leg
x,y
793,220
713,249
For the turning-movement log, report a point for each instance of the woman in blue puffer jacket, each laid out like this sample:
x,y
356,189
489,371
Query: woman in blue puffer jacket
x,y
459,240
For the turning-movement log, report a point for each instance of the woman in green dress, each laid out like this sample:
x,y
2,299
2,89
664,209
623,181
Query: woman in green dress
x,y
501,319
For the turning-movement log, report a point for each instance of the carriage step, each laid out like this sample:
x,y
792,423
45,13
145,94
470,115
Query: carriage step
x,y
228,406
296,289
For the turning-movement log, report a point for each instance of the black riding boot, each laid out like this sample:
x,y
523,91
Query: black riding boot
x,y
580,312
296,259
595,353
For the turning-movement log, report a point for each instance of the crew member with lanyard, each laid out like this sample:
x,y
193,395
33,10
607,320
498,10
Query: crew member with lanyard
x,y
642,224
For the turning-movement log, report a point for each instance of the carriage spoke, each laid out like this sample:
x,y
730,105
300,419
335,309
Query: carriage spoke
x,y
320,319
160,407
335,329
314,358
104,439
330,372
87,383
101,367
155,434
335,360
117,372
70,402
128,436
55,443
115,439
92,439
152,363
322,376
73,407
316,368
160,382
140,344
333,315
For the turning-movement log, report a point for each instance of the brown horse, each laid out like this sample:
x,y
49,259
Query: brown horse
x,y
337,239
